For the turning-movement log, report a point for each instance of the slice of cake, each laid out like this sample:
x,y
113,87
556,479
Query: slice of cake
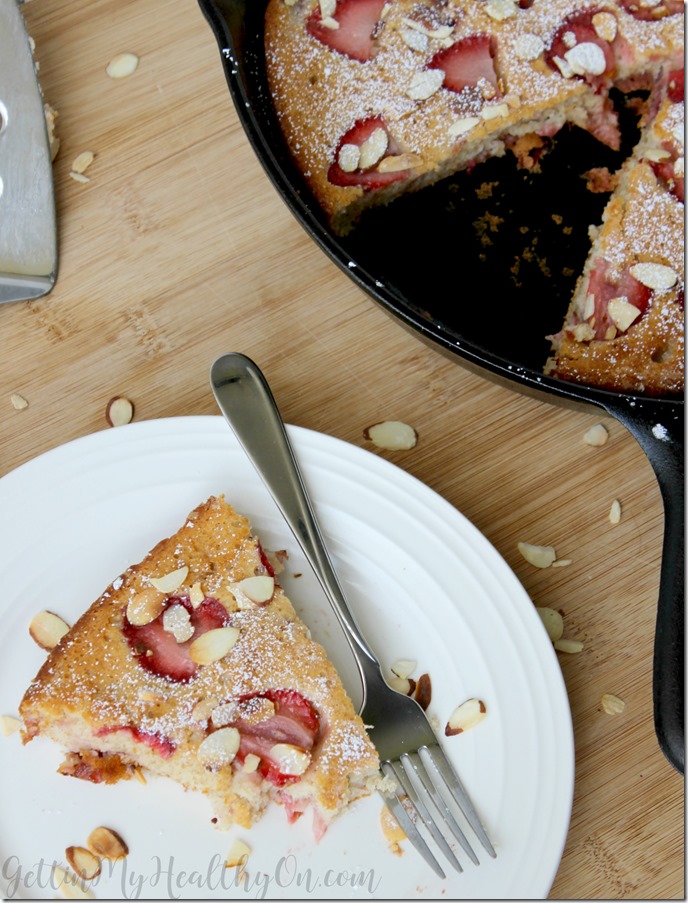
x,y
624,328
194,666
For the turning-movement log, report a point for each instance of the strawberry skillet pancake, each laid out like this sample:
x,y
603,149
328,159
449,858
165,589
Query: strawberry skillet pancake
x,y
377,98
193,665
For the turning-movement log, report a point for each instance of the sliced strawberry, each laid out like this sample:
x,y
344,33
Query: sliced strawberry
x,y
295,722
664,170
357,20
646,13
265,561
368,179
162,745
580,25
675,91
466,62
603,289
158,651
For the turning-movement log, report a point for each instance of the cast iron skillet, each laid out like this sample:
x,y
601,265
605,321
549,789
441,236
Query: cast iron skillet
x,y
423,258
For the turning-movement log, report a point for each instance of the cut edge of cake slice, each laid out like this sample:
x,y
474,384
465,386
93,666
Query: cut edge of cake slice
x,y
193,665
624,327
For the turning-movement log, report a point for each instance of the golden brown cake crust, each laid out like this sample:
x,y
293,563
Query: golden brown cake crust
x,y
92,683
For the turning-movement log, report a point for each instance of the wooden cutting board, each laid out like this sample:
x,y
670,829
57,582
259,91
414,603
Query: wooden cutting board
x,y
178,249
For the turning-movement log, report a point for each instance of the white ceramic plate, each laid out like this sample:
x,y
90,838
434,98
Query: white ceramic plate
x,y
424,584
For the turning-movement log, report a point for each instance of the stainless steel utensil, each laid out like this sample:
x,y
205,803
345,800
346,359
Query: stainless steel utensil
x,y
429,794
28,232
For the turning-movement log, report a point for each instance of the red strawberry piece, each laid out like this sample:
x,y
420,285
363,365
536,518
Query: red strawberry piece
x,y
367,179
581,27
466,62
295,722
603,289
158,651
357,21
664,171
162,745
646,13
675,91
265,561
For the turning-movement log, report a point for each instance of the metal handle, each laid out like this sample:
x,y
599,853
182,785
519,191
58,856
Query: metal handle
x,y
247,403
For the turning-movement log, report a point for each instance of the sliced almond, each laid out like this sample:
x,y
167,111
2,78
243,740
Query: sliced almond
x,y
122,65
258,589
465,716
238,854
70,886
392,435
373,149
82,161
170,583
177,621
401,685
622,313
107,844
611,704
291,760
225,713
553,621
656,276
586,58
597,435
499,10
423,694
562,562
538,556
83,862
203,709
399,162
571,646
251,763
528,47
439,33
403,667
349,157
494,111
461,126
605,26
219,748
9,725
213,645
119,410
615,512
84,180
145,606
196,595
415,39
327,8
19,403
425,83
47,629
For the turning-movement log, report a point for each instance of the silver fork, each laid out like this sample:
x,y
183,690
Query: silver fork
x,y
429,798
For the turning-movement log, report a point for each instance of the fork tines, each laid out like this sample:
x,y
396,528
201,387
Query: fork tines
x,y
426,787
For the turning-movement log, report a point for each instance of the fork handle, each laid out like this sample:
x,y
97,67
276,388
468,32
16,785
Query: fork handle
x,y
249,407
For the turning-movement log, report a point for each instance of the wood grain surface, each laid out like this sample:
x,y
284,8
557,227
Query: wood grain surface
x,y
178,249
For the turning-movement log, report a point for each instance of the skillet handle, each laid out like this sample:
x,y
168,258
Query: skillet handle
x,y
663,444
